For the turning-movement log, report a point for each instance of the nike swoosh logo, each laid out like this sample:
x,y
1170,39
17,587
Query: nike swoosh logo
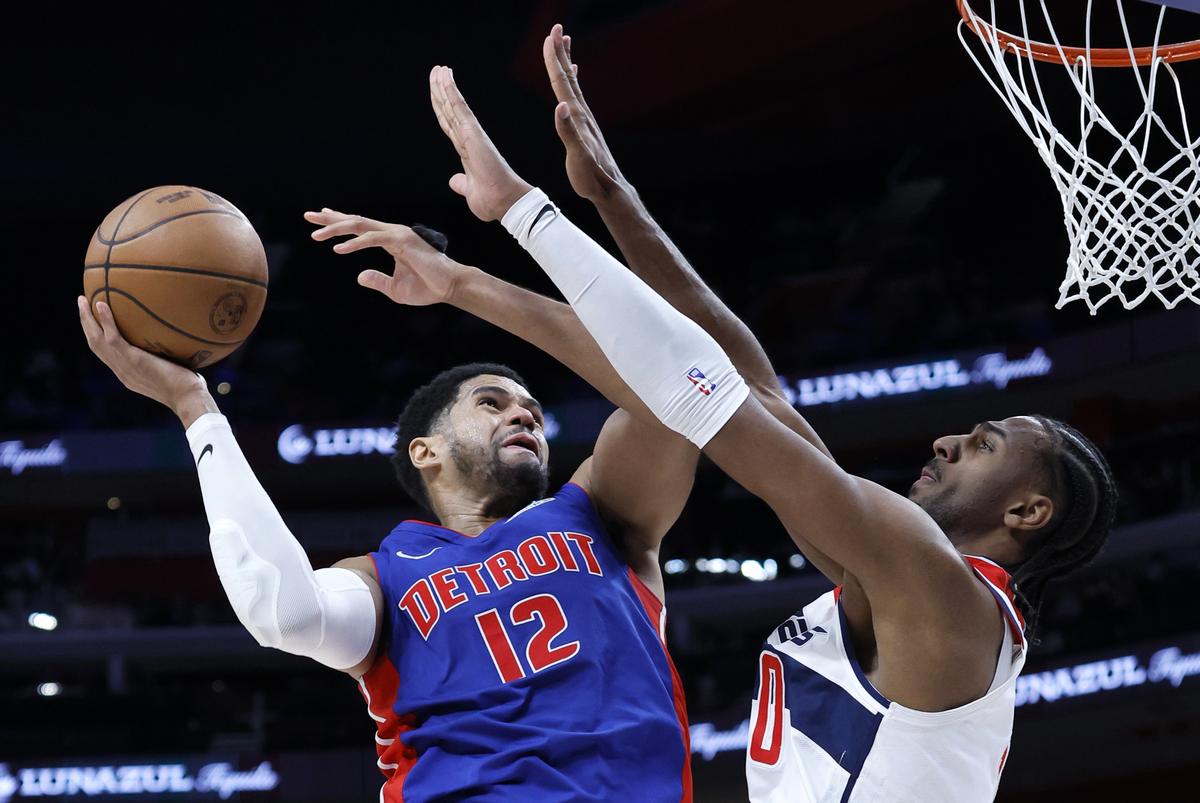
x,y
206,450
547,208
417,557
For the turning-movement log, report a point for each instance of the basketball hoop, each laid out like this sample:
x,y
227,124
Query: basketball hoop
x,y
1133,226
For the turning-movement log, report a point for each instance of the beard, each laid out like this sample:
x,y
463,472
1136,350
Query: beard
x,y
953,513
508,487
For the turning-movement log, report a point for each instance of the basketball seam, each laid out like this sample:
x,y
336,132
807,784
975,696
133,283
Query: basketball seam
x,y
163,222
178,269
108,254
168,324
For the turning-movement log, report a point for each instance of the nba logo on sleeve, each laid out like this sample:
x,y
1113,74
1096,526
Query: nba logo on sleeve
x,y
702,383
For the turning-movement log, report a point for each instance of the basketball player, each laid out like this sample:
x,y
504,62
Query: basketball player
x,y
513,651
899,684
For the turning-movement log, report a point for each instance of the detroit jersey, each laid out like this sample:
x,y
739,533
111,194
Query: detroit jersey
x,y
525,663
822,733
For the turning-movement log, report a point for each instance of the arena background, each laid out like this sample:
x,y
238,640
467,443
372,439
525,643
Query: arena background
x,y
839,172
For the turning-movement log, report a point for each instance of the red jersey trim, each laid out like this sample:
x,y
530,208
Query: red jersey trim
x,y
379,687
999,582
657,613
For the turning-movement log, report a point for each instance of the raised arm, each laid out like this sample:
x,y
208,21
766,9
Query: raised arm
x,y
654,258
422,275
648,251
331,615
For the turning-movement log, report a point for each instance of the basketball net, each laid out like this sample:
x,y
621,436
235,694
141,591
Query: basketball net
x,y
1131,216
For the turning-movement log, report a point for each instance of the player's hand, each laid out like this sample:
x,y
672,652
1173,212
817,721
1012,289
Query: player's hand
x,y
590,164
179,388
422,275
487,182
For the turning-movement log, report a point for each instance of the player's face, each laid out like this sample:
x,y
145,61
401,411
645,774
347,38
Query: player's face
x,y
497,443
967,485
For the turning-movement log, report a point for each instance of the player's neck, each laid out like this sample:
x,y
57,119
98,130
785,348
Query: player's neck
x,y
463,512
468,524
996,545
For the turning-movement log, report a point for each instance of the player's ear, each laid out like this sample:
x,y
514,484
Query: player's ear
x,y
425,452
1030,514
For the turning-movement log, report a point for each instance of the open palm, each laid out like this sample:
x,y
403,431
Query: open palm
x,y
487,182
421,275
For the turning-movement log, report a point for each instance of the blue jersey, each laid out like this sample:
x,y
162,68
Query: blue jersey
x,y
525,663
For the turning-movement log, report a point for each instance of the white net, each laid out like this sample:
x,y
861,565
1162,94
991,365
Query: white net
x,y
1130,209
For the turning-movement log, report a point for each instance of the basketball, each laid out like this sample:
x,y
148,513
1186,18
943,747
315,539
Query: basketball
x,y
183,271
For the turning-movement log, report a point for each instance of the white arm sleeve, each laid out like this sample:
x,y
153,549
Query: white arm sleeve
x,y
328,615
668,360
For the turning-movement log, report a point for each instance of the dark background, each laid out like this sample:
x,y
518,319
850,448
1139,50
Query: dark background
x,y
842,176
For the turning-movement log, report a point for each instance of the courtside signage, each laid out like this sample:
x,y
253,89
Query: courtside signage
x,y
992,369
296,445
15,456
191,780
1170,665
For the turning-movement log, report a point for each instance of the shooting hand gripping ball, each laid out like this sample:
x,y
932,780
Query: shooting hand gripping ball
x,y
182,271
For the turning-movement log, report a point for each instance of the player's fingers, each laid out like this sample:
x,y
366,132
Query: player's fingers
x,y
573,77
375,280
553,56
436,101
461,115
350,224
91,329
441,100
460,184
112,335
564,124
441,110
327,216
368,239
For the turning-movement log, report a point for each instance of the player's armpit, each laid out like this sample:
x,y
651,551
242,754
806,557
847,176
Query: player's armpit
x,y
639,478
364,567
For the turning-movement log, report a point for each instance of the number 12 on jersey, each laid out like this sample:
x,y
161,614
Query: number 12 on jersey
x,y
540,653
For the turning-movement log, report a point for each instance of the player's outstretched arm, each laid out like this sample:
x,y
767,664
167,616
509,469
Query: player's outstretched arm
x,y
648,251
421,275
652,256
331,615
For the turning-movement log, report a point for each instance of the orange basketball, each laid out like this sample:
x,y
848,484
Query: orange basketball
x,y
183,271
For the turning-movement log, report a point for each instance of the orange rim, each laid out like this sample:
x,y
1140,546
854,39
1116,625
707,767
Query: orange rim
x,y
1098,56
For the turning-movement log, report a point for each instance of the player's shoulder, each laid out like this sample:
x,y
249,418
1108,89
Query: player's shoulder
x,y
416,534
570,497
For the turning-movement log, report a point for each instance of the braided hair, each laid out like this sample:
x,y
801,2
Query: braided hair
x,y
1085,502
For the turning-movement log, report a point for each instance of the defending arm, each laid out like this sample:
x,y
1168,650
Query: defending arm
x,y
327,615
672,364
651,255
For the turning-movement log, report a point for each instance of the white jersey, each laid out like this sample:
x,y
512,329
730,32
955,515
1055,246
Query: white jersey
x,y
823,734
